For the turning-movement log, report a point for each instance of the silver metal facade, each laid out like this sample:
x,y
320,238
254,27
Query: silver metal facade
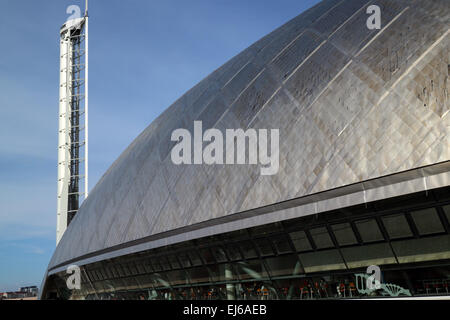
x,y
352,104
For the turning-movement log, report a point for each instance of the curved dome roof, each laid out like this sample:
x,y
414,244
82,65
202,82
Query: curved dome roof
x,y
351,104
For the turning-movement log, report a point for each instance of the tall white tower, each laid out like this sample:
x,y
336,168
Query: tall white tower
x,y
73,119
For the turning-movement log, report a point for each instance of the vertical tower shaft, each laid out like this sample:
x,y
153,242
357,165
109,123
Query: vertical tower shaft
x,y
72,133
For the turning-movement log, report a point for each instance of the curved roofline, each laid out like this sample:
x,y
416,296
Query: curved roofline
x,y
393,185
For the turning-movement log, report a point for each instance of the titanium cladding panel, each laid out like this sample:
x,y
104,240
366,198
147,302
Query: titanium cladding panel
x,y
351,104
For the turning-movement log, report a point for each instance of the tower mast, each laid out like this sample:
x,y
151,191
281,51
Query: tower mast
x,y
86,106
73,107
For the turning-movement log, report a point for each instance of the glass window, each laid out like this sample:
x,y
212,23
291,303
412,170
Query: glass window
x,y
264,247
83,276
422,249
284,266
164,263
99,286
427,221
447,212
114,272
133,269
397,226
140,267
148,267
300,241
199,274
173,262
105,273
372,254
131,283
368,230
92,275
177,277
321,238
160,280
144,280
281,244
100,275
207,256
219,254
195,259
155,264
184,260
127,270
120,270
117,283
222,272
322,261
252,269
248,250
344,234
233,252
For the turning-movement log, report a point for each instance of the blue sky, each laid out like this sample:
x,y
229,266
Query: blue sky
x,y
143,55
